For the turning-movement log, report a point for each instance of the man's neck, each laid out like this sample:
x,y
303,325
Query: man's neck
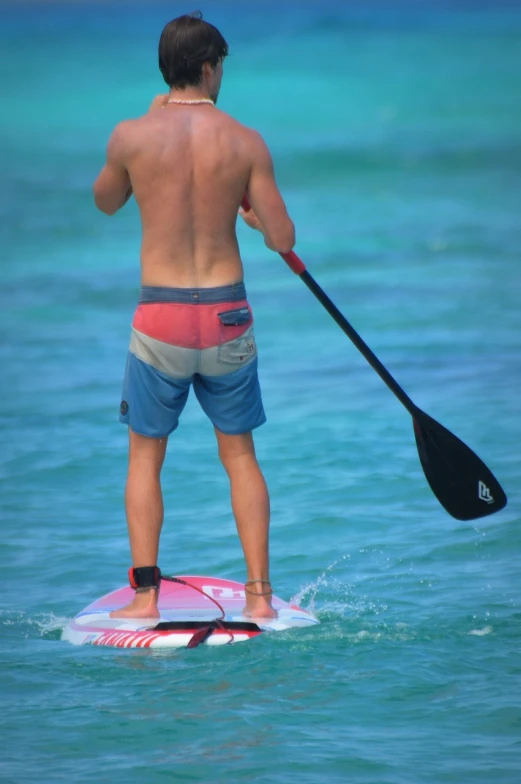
x,y
189,94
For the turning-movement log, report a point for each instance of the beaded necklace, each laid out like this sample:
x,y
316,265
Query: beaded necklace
x,y
193,102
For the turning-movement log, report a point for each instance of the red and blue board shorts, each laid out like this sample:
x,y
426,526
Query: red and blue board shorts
x,y
192,337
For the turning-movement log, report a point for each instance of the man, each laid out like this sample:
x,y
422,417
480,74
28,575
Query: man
x,y
189,165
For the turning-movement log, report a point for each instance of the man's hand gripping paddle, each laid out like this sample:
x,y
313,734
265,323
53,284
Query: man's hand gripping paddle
x,y
461,482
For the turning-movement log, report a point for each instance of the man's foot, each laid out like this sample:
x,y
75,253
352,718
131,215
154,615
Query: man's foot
x,y
143,605
258,599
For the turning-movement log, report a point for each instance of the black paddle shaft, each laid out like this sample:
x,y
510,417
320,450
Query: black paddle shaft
x,y
361,345
459,479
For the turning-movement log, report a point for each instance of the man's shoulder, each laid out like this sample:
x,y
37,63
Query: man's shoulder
x,y
123,130
130,132
244,131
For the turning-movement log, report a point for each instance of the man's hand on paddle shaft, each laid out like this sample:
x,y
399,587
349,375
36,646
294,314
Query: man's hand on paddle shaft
x,y
250,219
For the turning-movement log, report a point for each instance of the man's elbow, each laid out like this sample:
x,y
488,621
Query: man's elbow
x,y
283,241
102,203
107,210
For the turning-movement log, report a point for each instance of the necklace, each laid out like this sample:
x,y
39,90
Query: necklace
x,y
192,103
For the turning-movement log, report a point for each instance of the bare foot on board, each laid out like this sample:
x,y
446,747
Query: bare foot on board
x,y
258,600
143,605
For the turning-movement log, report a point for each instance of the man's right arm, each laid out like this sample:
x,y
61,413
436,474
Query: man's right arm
x,y
266,200
113,188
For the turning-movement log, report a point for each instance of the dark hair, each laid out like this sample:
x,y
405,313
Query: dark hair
x,y
185,45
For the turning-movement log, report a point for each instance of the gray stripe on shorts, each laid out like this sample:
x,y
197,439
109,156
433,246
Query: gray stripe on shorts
x,y
178,362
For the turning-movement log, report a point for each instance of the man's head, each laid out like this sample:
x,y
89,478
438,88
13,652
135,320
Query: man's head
x,y
191,50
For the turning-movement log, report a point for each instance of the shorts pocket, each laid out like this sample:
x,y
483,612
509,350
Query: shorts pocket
x,y
237,351
236,317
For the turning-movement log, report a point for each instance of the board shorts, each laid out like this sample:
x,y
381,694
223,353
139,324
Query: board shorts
x,y
192,337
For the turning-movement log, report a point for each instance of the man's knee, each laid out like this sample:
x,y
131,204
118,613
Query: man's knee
x,y
234,447
148,452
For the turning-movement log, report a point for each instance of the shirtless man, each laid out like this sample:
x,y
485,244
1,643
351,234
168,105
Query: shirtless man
x,y
189,165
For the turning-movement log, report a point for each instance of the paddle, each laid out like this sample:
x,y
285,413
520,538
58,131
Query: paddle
x,y
461,482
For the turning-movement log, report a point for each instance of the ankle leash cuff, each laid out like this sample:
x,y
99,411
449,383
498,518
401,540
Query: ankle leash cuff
x,y
144,577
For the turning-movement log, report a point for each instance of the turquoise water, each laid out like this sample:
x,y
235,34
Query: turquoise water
x,y
395,132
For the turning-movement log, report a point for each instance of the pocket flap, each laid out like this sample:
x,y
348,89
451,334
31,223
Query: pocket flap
x,y
234,318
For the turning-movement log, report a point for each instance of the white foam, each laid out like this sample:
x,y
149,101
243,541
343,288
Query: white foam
x,y
481,632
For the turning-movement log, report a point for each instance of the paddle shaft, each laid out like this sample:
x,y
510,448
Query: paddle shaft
x,y
299,268
361,345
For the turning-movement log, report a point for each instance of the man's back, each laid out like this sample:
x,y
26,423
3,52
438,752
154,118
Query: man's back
x,y
189,167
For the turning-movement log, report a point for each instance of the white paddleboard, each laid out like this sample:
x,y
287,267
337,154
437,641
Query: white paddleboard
x,y
190,615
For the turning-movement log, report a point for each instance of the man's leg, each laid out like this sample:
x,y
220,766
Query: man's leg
x,y
144,507
251,508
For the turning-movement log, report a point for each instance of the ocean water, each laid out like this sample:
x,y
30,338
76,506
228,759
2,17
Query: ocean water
x,y
397,144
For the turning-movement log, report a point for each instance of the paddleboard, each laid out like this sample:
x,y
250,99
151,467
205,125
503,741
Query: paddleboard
x,y
194,610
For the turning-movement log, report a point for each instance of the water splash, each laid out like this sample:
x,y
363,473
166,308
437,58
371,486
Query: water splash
x,y
44,626
313,588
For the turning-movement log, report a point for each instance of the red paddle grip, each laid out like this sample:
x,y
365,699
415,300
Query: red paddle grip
x,y
295,264
292,260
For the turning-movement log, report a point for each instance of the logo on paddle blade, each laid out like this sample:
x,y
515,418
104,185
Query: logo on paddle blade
x,y
484,493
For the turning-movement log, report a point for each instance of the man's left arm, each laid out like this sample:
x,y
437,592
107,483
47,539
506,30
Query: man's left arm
x,y
113,188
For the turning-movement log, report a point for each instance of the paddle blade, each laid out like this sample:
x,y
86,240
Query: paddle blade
x,y
461,482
